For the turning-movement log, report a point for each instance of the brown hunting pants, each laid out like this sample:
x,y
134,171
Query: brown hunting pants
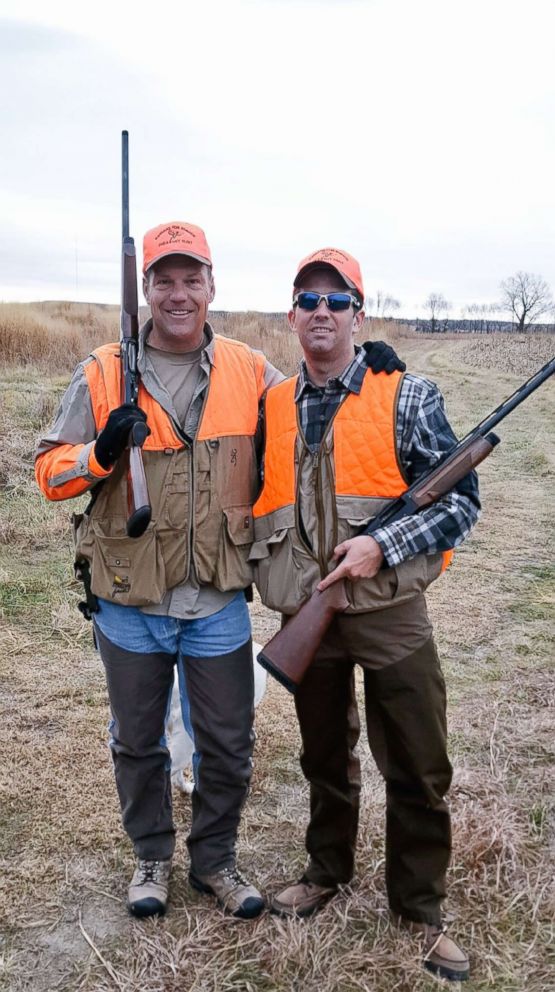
x,y
406,724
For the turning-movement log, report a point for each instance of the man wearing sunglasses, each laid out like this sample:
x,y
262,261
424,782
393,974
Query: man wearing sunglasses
x,y
341,441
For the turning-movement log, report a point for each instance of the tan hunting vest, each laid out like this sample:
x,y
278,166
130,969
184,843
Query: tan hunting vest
x,y
201,493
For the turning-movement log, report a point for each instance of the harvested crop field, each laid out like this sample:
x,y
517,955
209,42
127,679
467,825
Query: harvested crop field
x,y
65,862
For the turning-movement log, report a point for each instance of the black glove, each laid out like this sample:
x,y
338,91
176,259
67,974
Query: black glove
x,y
381,357
113,439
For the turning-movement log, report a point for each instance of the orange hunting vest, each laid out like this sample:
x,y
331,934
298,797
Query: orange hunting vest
x,y
231,407
354,475
365,453
201,493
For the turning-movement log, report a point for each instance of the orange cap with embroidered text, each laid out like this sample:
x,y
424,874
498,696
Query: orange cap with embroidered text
x,y
343,263
175,238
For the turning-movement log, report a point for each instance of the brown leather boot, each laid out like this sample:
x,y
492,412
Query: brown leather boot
x,y
234,894
440,954
301,899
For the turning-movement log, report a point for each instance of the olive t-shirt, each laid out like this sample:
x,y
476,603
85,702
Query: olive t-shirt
x,y
180,374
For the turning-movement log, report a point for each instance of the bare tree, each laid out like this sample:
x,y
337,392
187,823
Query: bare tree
x,y
527,297
437,305
385,304
390,305
493,316
473,314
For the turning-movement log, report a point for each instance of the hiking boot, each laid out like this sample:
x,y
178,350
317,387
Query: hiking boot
x,y
302,898
441,955
233,892
148,891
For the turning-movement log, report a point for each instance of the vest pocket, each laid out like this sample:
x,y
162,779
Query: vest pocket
x,y
262,557
373,594
277,572
128,571
393,586
233,468
177,499
233,570
416,574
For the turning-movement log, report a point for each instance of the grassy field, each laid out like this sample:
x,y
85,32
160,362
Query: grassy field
x,y
64,861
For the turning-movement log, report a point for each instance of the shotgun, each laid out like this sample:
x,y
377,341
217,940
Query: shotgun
x,y
290,652
138,504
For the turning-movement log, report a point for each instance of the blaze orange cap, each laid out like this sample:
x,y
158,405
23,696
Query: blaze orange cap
x,y
176,238
343,263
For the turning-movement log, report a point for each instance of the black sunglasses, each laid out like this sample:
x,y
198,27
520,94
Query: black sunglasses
x,y
334,301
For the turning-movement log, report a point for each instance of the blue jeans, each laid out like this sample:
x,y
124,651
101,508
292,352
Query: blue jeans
x,y
133,630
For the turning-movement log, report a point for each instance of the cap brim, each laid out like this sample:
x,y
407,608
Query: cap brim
x,y
187,254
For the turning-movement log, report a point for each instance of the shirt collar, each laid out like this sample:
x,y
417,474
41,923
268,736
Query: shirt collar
x,y
351,378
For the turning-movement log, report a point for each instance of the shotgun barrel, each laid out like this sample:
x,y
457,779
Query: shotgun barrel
x,y
138,503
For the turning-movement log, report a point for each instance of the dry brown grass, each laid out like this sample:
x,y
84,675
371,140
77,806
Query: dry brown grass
x,y
518,353
56,336
64,862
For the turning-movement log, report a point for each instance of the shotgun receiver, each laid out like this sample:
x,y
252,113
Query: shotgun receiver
x,y
138,504
290,652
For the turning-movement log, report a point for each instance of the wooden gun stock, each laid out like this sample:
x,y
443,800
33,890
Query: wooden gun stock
x,y
289,653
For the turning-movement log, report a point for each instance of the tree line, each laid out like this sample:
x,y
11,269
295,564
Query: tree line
x,y
526,299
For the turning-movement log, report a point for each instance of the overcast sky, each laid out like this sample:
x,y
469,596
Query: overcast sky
x,y
417,134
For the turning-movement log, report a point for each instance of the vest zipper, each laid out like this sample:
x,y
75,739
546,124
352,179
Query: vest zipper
x,y
319,500
301,530
323,455
320,558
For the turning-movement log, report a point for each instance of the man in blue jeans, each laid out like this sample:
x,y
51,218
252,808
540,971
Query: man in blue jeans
x,y
176,594
215,664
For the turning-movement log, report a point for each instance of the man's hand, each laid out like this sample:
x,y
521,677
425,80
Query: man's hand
x,y
382,358
113,439
362,559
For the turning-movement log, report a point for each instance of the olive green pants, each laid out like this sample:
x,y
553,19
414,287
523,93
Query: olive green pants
x,y
405,718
